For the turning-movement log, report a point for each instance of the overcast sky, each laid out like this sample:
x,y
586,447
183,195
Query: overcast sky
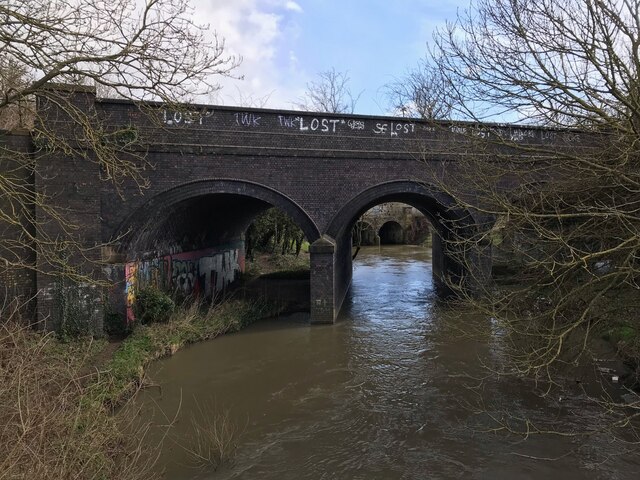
x,y
286,43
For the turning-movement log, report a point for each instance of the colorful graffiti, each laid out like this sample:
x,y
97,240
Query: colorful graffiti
x,y
203,273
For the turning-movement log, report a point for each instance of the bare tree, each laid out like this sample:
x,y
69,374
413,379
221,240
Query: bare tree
x,y
14,76
251,100
421,93
150,49
330,94
566,63
127,48
568,224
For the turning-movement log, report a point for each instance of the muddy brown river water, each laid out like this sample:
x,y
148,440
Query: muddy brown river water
x,y
393,390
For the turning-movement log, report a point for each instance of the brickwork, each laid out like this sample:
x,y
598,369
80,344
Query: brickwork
x,y
17,281
324,307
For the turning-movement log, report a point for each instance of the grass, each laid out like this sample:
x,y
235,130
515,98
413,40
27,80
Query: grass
x,y
626,339
273,264
622,333
57,397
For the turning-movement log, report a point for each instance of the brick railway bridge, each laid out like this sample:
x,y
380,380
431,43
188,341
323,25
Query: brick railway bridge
x,y
215,168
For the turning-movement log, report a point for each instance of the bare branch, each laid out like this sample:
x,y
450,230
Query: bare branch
x,y
330,94
567,231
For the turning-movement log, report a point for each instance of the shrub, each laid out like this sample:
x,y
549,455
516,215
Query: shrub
x,y
152,305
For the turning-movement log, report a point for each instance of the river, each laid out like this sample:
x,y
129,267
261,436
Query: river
x,y
394,390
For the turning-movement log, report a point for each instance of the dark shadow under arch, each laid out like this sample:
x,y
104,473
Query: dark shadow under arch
x,y
391,233
160,206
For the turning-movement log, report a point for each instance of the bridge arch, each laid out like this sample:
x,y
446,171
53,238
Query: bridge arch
x,y
391,233
190,239
444,213
436,205
140,228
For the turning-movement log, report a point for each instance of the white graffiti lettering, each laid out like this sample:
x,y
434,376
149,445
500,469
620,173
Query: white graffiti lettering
x,y
356,124
185,118
510,134
550,136
288,122
393,129
570,137
322,124
481,133
247,119
521,135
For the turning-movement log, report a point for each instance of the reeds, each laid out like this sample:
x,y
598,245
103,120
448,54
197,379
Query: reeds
x,y
214,437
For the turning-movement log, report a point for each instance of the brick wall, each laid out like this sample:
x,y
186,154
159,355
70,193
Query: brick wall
x,y
17,258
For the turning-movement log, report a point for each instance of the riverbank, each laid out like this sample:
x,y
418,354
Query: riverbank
x,y
57,396
186,325
283,279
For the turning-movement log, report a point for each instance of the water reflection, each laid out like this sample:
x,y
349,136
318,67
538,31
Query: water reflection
x,y
389,392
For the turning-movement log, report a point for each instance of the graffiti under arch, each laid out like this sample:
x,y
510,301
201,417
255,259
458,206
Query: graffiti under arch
x,y
202,273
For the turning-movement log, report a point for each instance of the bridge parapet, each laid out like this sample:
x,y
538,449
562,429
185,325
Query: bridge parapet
x,y
267,132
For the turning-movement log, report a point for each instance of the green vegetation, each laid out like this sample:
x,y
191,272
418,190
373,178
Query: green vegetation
x,y
278,266
276,248
51,427
274,231
623,333
152,305
625,336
